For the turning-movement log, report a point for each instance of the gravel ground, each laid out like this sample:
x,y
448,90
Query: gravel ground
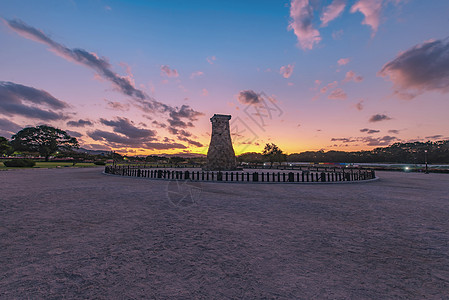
x,y
76,233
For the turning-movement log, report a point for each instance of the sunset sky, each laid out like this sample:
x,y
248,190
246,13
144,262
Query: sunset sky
x,y
144,77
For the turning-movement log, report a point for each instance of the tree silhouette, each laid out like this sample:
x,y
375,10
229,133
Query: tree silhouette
x,y
250,157
43,139
273,154
5,146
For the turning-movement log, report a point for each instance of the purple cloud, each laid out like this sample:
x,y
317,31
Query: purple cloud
x,y
249,97
369,131
99,65
79,123
164,146
115,140
159,124
190,141
127,128
343,140
8,128
185,112
424,67
382,141
18,99
378,118
115,105
75,134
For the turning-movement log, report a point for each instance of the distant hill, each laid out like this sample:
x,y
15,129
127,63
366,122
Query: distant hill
x,y
106,152
185,155
93,152
416,152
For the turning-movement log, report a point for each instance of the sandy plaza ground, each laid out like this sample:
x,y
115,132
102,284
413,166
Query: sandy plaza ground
x,y
77,233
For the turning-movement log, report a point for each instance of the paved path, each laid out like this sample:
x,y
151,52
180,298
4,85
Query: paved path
x,y
75,233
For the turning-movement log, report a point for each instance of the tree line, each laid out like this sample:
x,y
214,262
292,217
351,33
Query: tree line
x,y
411,153
47,141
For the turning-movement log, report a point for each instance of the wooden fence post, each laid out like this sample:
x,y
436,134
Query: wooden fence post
x,y
256,177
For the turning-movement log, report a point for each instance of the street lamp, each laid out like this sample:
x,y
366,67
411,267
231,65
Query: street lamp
x,y
425,156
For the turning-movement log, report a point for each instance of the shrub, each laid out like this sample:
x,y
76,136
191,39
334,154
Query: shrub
x,y
20,163
100,163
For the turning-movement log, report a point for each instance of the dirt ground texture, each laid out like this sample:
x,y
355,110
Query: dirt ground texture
x,y
76,233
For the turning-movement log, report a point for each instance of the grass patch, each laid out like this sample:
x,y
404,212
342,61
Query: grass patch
x,y
51,164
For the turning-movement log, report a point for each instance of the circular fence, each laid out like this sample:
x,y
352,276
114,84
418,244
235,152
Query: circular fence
x,y
255,176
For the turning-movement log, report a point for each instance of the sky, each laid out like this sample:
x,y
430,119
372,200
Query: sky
x,y
145,77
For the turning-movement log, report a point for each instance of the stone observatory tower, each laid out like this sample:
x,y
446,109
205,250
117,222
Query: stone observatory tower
x,y
220,155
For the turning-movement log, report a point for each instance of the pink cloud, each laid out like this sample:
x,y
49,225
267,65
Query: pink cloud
x,y
196,74
211,59
343,61
205,92
351,76
371,10
301,13
359,105
167,71
329,86
332,11
338,94
287,71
